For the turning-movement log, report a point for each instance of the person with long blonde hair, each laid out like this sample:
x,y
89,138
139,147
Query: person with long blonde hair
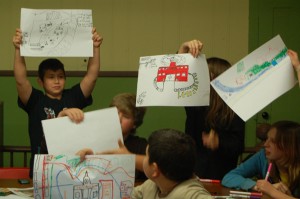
x,y
282,151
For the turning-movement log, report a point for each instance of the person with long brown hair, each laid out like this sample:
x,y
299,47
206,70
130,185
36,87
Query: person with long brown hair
x,y
217,130
282,150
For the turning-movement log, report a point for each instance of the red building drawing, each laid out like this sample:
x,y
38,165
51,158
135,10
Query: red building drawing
x,y
180,72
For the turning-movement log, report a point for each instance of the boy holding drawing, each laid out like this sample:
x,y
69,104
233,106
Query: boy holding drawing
x,y
55,101
169,165
131,117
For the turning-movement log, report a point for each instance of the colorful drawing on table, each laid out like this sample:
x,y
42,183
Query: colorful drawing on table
x,y
59,33
98,176
173,80
257,80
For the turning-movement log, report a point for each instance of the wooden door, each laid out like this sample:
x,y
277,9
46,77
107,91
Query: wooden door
x,y
267,18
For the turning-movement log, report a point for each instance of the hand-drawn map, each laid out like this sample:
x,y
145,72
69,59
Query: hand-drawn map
x,y
173,80
257,80
58,33
98,177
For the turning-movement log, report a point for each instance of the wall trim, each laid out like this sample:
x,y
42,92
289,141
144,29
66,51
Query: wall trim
x,y
9,73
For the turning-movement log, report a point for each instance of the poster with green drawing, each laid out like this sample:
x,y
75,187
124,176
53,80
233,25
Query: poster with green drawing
x,y
98,176
257,80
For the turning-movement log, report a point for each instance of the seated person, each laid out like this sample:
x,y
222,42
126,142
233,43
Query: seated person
x,y
131,117
282,149
262,134
169,164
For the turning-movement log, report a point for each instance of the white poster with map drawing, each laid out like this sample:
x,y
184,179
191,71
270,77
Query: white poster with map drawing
x,y
98,176
56,33
257,80
173,80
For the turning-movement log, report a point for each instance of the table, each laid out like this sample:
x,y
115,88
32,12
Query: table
x,y
216,189
213,188
13,183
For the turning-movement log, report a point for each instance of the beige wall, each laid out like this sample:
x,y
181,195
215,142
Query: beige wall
x,y
134,28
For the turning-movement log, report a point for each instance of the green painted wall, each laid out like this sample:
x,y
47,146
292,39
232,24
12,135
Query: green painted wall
x,y
266,19
15,119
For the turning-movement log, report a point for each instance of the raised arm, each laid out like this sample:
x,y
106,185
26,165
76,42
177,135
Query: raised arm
x,y
89,80
194,47
24,87
295,62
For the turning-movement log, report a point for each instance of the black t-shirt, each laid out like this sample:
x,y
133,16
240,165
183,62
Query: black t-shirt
x,y
40,107
137,145
215,164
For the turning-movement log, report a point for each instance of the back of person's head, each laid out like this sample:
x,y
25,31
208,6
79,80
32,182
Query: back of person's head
x,y
125,102
217,66
219,112
262,131
173,152
50,64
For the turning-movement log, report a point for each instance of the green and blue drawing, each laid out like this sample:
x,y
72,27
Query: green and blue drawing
x,y
253,73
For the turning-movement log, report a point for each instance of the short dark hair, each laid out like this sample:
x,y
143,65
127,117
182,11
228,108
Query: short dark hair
x,y
50,64
174,152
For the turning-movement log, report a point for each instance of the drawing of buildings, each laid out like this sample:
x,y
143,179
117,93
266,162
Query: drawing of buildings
x,y
126,189
179,72
107,189
87,190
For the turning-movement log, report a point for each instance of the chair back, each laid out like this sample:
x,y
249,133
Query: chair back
x,y
14,172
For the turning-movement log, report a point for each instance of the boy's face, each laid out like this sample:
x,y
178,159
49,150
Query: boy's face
x,y
127,123
54,83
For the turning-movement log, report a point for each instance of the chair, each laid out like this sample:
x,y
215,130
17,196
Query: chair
x,y
14,172
11,150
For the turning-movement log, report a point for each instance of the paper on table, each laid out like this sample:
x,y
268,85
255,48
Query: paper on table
x,y
99,131
17,193
56,33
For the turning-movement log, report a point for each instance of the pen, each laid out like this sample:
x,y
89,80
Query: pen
x,y
268,172
246,193
216,197
244,196
209,180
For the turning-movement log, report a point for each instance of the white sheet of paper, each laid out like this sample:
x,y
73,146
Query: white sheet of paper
x,y
12,196
100,130
56,33
99,176
257,80
173,80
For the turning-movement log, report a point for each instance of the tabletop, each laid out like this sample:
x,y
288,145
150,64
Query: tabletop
x,y
215,189
14,183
